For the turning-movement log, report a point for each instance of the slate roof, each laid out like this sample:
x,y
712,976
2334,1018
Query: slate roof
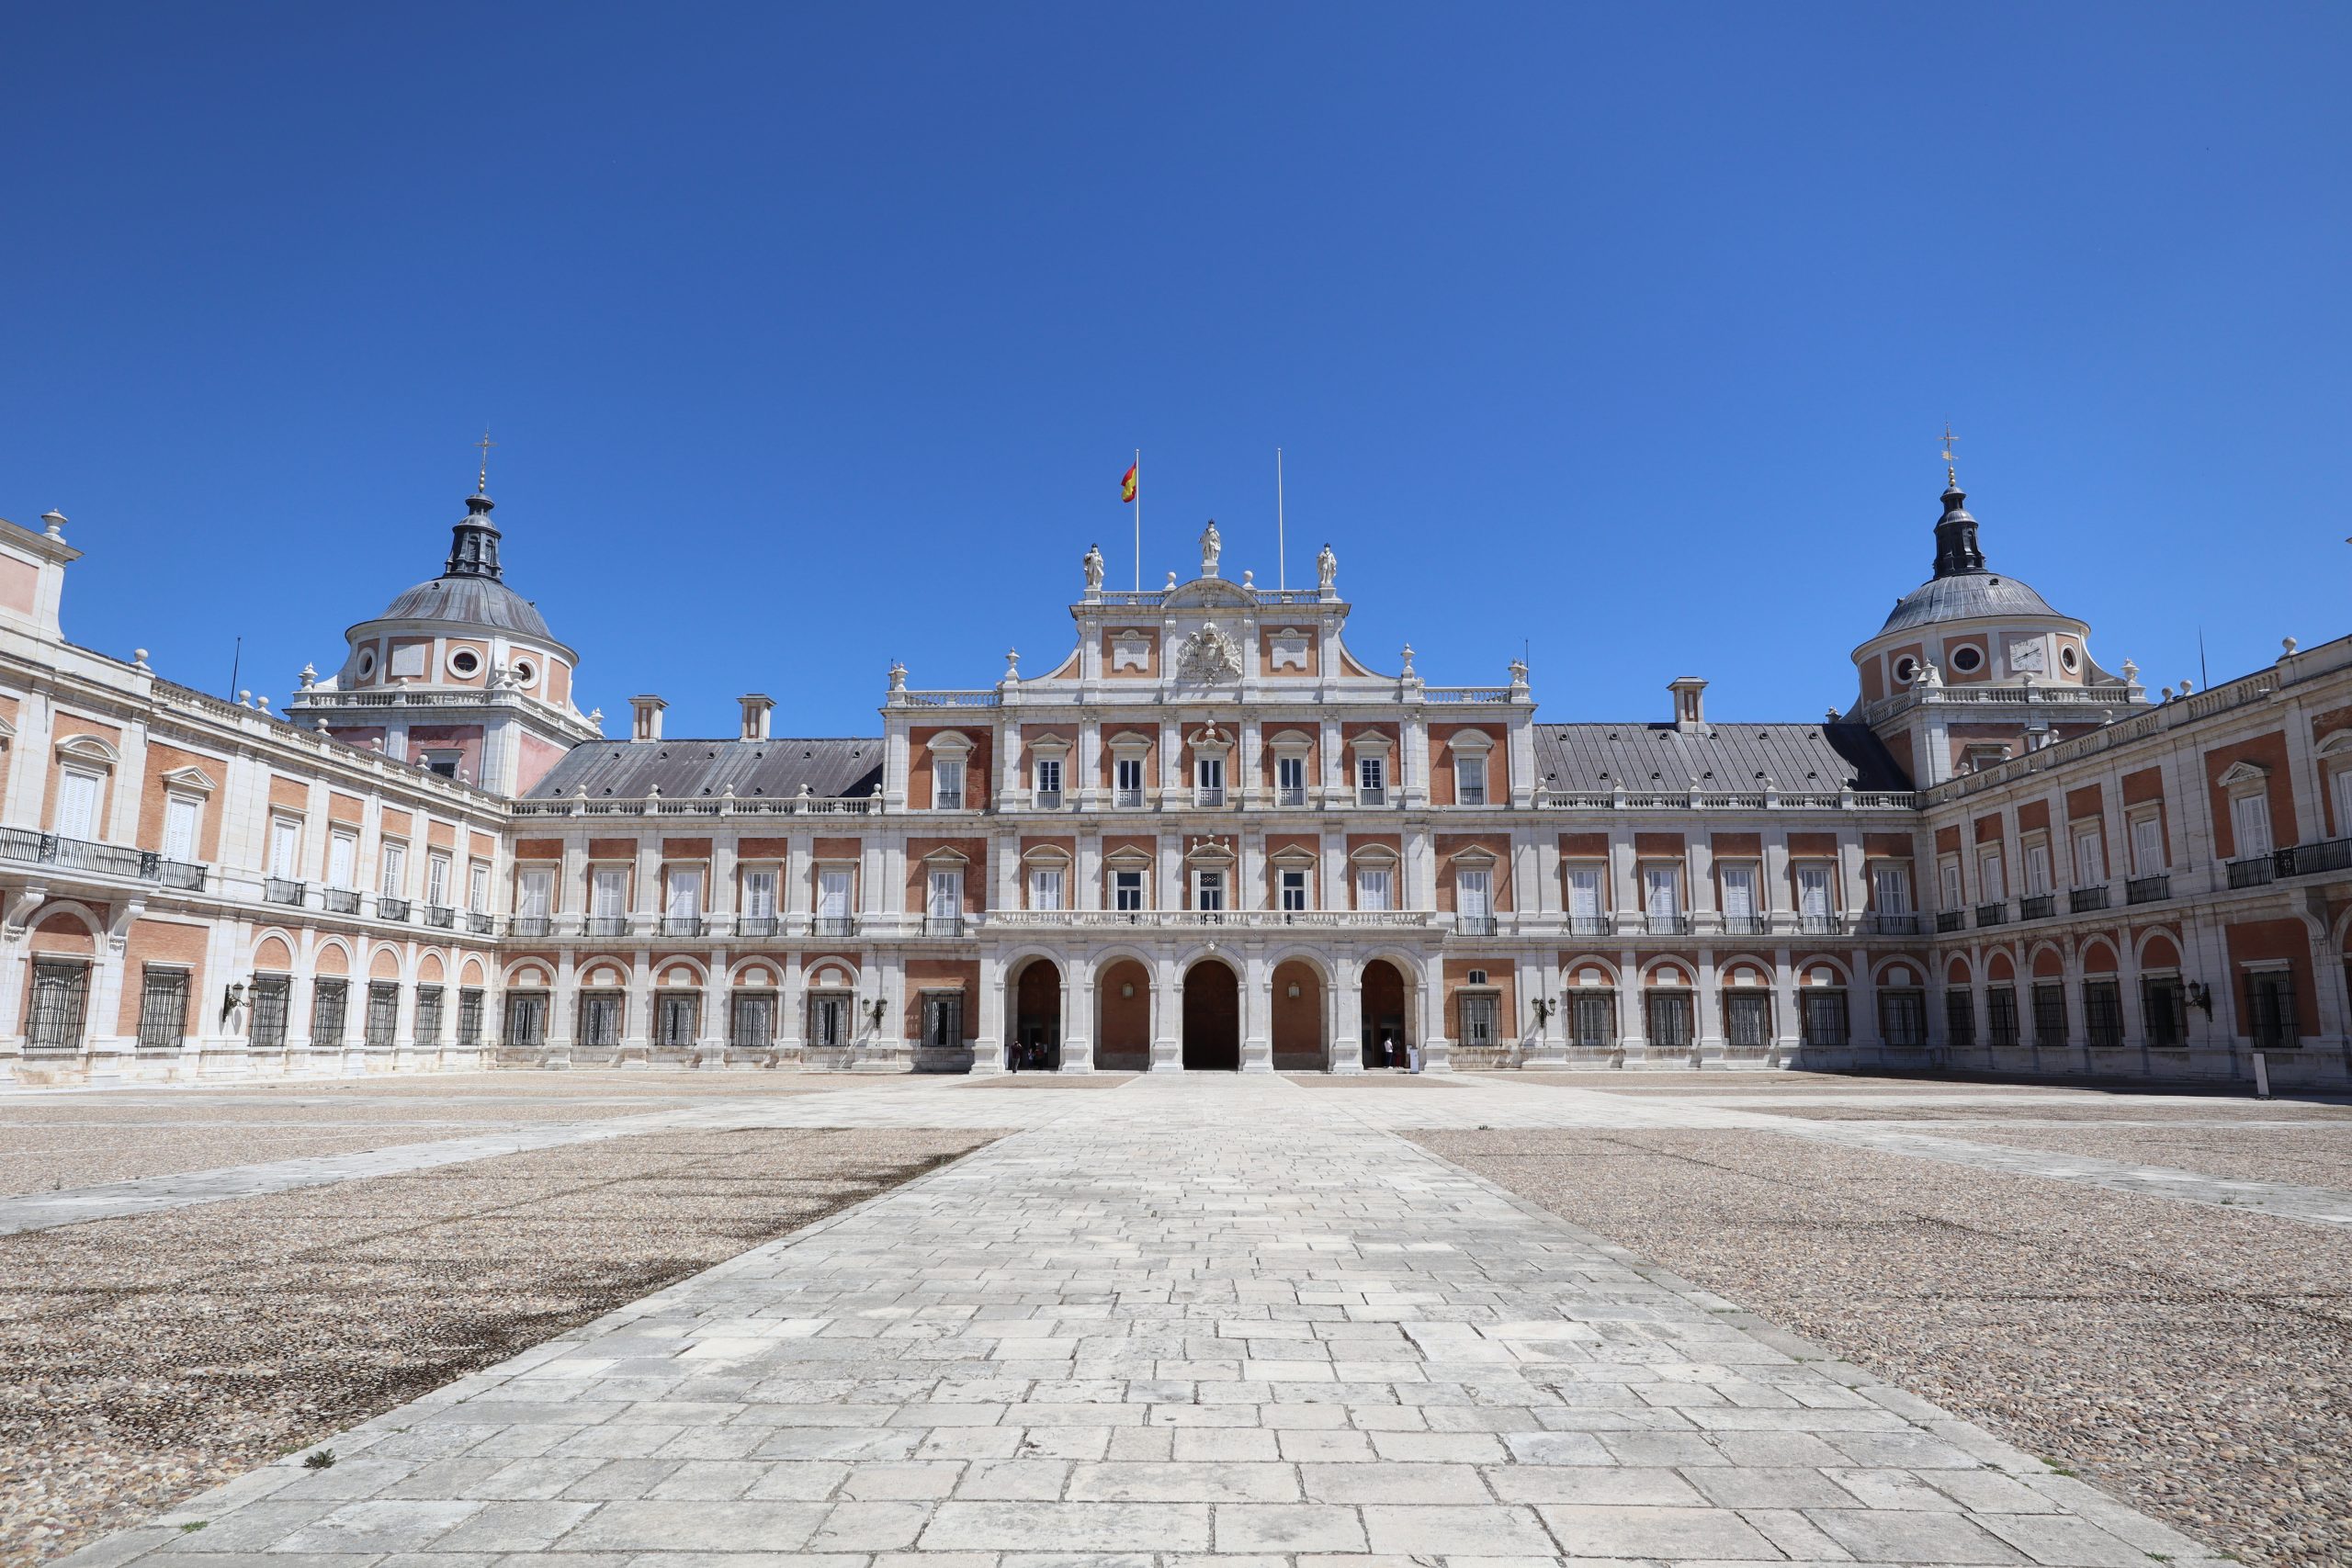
x,y
1962,595
1798,758
633,770
470,601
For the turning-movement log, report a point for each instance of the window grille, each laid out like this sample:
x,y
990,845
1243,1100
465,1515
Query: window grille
x,y
1594,1018
428,1015
163,1008
383,1013
470,1016
1824,1018
680,1018
1748,1021
1477,1019
600,1018
526,1020
272,998
1670,1021
828,1021
2103,1013
1960,1016
753,1027
2001,1014
1902,1018
2270,996
943,1019
329,1000
60,995
2166,1010
2050,1014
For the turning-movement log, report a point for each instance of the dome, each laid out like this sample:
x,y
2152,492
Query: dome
x,y
1963,597
472,602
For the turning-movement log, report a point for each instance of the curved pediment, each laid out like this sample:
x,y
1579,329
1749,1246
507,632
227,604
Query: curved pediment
x,y
1210,593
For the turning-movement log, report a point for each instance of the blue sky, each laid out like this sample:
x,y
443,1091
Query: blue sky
x,y
816,336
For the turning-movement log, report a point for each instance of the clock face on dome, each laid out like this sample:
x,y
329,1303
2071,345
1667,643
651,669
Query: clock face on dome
x,y
2027,655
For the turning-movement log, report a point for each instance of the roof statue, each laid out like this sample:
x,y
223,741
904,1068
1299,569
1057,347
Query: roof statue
x,y
1326,571
1093,564
1212,546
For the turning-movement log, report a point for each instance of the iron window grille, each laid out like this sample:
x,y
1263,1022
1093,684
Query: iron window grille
x,y
833,925
391,909
751,1024
428,1015
2164,1007
2001,1015
271,997
60,997
340,900
163,1009
679,1019
470,1016
1960,1017
1902,1018
600,1019
2084,901
1670,1021
607,925
828,1021
1593,1018
440,916
279,890
383,1013
943,1019
2038,906
526,1020
1476,1020
755,925
2103,1013
2050,1014
1824,1018
1748,1021
329,1000
2270,1009
2148,889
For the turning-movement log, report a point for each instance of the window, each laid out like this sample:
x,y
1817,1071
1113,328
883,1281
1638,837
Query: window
x,y
2048,1014
271,995
682,905
1739,898
285,849
2001,1014
428,1015
329,1000
1824,1018
61,993
2103,1013
1372,779
1372,887
2270,1009
1049,781
753,1024
383,1013
2164,1007
1208,891
2090,858
943,1020
1473,900
2250,823
181,815
1208,780
2339,785
1891,889
1670,1021
342,859
1661,892
1953,897
1960,1017
1290,781
759,897
443,763
436,881
163,1008
533,900
1046,887
477,888
1470,778
600,1018
947,784
1989,885
1812,898
1748,1021
945,898
832,898
608,894
828,1019
1902,1018
470,1016
527,1019
1592,1018
1476,1014
1127,890
1126,780
678,1018
2037,868
392,871
77,804
2147,844
1292,889
1584,898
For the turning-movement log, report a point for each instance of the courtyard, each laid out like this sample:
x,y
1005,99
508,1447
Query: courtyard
x,y
654,1318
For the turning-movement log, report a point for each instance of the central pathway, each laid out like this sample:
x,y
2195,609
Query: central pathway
x,y
1191,1315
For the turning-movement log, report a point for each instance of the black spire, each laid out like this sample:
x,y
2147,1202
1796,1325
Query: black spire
x,y
1956,551
473,543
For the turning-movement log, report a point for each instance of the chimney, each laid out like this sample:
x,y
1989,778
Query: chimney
x,y
1689,705
756,709
645,721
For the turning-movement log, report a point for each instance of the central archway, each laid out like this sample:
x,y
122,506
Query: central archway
x,y
1381,990
1037,1017
1212,1018
1297,1033
1123,1017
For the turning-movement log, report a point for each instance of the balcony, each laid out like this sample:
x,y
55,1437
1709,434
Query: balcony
x,y
833,925
1950,920
440,916
1589,925
1294,795
1890,925
1208,794
682,925
1047,800
527,925
1248,920
2260,870
2087,900
279,890
2303,860
1127,799
2148,889
948,800
1373,796
1992,915
1743,925
607,925
110,860
948,925
1667,925
755,925
339,900
479,923
2038,906
1464,925
390,908
1817,924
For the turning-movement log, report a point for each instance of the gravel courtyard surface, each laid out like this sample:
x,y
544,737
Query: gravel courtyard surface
x,y
78,1139
145,1360
2313,1154
2194,1361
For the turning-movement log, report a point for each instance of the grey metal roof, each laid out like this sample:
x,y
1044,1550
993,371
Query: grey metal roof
x,y
470,602
633,770
1961,596
1798,758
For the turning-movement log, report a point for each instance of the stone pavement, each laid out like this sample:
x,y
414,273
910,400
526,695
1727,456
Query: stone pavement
x,y
1192,1318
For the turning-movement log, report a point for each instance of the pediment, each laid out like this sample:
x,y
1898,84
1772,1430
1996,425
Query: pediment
x,y
1210,593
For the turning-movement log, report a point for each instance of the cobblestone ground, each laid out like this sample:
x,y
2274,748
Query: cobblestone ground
x,y
1190,1317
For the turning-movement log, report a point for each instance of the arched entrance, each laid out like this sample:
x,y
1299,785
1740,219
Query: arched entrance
x,y
1212,1018
1037,1017
1383,992
1123,1021
1297,1018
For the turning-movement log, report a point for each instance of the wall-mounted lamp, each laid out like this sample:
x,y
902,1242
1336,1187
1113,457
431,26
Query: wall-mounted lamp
x,y
2201,995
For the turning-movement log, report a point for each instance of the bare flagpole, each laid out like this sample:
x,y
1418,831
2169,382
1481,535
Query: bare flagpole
x,y
1282,549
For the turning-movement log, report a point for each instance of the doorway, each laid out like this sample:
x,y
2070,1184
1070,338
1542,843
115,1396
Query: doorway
x,y
1037,1018
1212,1018
1383,992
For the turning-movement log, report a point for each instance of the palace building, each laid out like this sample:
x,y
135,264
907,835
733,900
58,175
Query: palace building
x,y
1211,836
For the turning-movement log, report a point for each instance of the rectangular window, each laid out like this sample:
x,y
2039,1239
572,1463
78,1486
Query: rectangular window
x,y
342,859
947,786
2103,1013
678,1018
2339,785
477,888
1902,1018
60,995
2001,1014
1739,898
1126,780
436,881
1824,1018
759,894
1474,897
1127,890
527,1019
2050,1014
77,804
2165,1008
1661,891
181,814
2036,869
285,849
1470,780
832,892
1960,1016
1208,891
392,880
1891,889
163,1008
1049,781
1372,779
1584,897
2250,824
1290,781
1477,1018
534,899
683,901
1670,1021
1747,1019
2271,1011
1592,1016
1208,780
1372,887
428,1015
828,1019
1046,887
272,996
383,1014
946,898
1293,888
2090,859
608,892
753,1027
1813,897
600,1018
2147,845
470,1016
329,1000
943,1020
1953,897
1989,885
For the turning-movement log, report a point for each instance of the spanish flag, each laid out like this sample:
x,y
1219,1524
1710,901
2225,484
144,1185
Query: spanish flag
x,y
1127,483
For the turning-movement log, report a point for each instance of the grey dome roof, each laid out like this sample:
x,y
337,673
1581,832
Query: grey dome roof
x,y
1961,596
469,601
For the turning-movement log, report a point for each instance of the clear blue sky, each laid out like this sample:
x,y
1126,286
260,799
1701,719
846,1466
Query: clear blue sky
x,y
814,336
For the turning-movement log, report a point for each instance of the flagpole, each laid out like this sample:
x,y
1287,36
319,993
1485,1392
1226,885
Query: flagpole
x,y
1282,550
1139,519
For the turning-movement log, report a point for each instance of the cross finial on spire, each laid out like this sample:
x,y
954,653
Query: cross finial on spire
x,y
1951,474
481,481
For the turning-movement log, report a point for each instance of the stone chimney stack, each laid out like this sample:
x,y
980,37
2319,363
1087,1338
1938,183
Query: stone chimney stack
x,y
756,709
645,717
1689,705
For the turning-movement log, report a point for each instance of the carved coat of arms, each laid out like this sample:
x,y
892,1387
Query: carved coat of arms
x,y
1209,654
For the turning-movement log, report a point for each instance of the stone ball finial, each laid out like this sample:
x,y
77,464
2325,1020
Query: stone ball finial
x,y
139,658
2288,643
244,699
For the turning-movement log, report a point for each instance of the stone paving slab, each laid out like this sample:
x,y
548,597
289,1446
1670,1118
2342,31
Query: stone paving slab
x,y
1192,1319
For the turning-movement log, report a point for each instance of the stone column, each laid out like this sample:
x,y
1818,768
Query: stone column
x,y
791,1005
988,1047
1078,1014
1707,1002
1787,1034
1257,1010
1167,1017
1346,1002
1632,1023
1437,1050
